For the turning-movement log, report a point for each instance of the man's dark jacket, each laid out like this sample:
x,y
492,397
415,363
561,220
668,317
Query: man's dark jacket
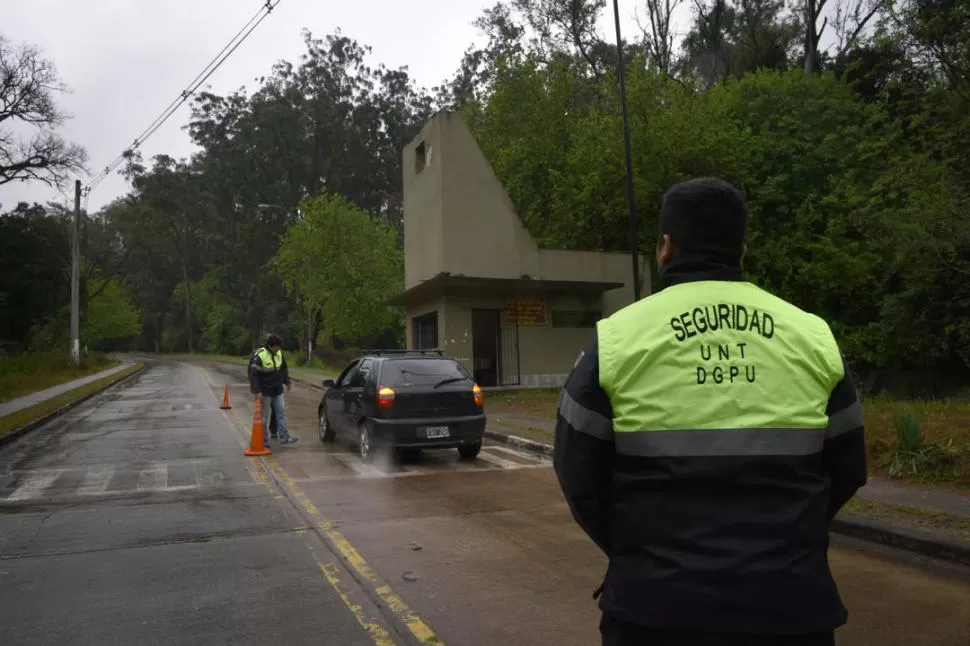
x,y
269,384
709,544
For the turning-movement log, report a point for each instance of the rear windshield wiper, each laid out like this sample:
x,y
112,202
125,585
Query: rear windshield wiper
x,y
450,380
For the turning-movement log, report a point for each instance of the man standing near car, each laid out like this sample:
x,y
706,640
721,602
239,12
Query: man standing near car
x,y
268,377
705,438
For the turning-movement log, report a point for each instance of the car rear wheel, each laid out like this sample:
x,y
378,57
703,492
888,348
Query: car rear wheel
x,y
469,451
365,442
327,433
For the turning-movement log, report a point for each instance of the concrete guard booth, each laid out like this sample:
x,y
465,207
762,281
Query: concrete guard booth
x,y
477,286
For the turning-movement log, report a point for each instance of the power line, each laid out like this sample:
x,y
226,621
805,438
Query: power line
x,y
186,94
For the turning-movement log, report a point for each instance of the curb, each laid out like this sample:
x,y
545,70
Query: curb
x,y
519,442
873,531
40,421
911,540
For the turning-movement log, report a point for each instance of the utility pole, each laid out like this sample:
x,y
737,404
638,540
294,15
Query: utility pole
x,y
630,197
76,276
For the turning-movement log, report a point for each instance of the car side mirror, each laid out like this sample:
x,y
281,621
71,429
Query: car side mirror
x,y
328,383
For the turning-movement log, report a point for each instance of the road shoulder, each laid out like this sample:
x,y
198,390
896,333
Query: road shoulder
x,y
937,528
26,419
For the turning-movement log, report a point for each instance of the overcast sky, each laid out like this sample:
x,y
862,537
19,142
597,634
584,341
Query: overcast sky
x,y
126,60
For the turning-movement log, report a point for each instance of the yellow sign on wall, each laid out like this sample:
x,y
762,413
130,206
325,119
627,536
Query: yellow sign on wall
x,y
525,311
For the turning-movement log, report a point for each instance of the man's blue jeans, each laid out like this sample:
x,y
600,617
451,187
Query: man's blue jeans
x,y
269,403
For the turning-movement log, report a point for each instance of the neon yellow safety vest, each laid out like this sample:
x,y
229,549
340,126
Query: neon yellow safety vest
x,y
716,368
269,362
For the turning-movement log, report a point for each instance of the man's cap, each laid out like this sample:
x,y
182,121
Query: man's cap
x,y
705,216
273,339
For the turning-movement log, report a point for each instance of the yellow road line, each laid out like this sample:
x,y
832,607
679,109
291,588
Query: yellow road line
x,y
415,624
376,631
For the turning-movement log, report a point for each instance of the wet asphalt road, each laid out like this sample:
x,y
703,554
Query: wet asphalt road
x,y
482,553
135,520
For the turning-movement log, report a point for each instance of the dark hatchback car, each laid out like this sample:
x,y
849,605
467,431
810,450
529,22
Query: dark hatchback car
x,y
406,401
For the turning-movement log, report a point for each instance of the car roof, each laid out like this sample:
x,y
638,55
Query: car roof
x,y
404,354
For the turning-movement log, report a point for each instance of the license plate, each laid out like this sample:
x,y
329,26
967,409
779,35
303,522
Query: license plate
x,y
432,432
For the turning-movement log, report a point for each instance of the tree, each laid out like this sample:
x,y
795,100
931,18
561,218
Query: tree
x,y
658,38
342,266
730,38
849,21
34,271
28,83
111,318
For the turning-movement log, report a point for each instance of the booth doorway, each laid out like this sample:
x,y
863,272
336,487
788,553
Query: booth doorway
x,y
487,346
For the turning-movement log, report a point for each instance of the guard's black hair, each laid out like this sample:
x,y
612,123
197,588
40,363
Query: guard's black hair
x,y
705,216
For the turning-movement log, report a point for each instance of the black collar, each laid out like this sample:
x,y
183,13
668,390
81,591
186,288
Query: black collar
x,y
687,268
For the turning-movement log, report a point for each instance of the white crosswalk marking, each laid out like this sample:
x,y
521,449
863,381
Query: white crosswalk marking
x,y
491,458
34,485
158,477
180,475
153,478
432,462
207,474
95,481
358,465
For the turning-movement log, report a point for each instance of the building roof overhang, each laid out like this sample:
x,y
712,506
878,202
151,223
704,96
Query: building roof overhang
x,y
436,286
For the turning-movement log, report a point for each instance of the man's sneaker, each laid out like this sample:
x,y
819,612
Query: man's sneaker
x,y
289,440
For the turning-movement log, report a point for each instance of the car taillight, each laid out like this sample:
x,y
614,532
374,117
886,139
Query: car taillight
x,y
477,395
385,396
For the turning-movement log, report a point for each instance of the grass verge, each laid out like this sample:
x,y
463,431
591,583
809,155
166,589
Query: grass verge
x,y
27,373
941,456
16,421
541,402
931,521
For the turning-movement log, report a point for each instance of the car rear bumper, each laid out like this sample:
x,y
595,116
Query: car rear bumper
x,y
412,432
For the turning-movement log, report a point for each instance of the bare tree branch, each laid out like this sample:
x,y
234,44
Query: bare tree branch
x,y
657,35
851,19
28,83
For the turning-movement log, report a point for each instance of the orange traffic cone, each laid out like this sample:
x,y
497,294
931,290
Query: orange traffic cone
x,y
256,446
225,399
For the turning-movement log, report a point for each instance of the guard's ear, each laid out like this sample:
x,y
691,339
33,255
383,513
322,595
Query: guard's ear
x,y
665,250
744,254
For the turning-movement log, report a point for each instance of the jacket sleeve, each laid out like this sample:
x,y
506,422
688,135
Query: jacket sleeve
x,y
583,452
254,373
285,370
844,453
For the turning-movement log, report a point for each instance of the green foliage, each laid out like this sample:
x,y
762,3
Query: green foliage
x,y
34,271
111,317
339,262
916,456
858,206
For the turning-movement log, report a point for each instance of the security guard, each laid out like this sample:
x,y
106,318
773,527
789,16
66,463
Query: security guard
x,y
705,438
268,374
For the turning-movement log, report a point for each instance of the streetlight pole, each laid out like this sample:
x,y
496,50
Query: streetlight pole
x,y
630,197
76,277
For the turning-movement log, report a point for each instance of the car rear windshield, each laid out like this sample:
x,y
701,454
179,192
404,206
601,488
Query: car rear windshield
x,y
422,372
